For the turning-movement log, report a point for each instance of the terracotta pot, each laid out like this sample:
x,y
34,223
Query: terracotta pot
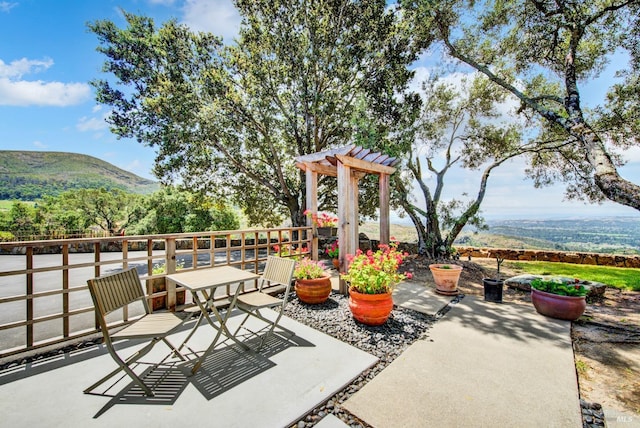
x,y
370,309
446,279
336,263
568,308
313,291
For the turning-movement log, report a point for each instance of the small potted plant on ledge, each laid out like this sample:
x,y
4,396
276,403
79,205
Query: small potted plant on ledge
x,y
334,253
372,278
313,283
557,299
325,223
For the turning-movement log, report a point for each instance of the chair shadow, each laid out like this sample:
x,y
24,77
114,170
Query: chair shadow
x,y
166,382
226,368
230,366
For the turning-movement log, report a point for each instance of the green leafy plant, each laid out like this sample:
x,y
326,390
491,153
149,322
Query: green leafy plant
x,y
375,273
559,287
159,269
334,251
309,269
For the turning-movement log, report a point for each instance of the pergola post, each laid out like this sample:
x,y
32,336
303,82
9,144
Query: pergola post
x,y
312,204
383,185
348,164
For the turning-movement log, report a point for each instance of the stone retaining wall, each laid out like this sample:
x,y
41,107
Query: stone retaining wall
x,y
551,256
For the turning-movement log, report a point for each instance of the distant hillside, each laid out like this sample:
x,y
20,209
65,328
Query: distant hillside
x,y
619,235
28,175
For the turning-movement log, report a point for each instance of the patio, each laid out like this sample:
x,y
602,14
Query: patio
x,y
481,363
272,388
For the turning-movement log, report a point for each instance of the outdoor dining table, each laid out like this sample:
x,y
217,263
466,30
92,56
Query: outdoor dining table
x,y
202,284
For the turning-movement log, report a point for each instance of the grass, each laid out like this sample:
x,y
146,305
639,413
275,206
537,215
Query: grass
x,y
622,278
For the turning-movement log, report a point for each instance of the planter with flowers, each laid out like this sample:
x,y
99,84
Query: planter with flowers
x,y
313,283
334,253
557,299
325,223
372,278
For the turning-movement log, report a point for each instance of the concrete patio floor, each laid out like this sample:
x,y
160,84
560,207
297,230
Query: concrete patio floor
x,y
271,388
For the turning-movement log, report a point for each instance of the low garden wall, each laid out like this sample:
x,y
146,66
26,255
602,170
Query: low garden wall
x,y
551,256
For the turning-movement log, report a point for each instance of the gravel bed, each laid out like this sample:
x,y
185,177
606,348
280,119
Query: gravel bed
x,y
386,342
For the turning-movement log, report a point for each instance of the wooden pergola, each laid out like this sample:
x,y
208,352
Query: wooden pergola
x,y
349,164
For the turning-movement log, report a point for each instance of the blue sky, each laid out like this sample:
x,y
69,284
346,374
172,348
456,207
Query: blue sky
x,y
47,58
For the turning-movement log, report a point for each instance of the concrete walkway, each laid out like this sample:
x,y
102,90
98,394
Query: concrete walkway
x,y
482,364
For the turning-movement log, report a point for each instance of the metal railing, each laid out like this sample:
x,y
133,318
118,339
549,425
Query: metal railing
x,y
44,298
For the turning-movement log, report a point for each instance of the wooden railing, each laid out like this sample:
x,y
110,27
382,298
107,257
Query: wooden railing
x,y
44,299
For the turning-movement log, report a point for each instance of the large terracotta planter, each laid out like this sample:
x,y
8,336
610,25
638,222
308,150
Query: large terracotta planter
x,y
568,308
446,277
313,291
370,309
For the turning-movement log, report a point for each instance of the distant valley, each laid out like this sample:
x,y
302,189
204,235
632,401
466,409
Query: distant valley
x,y
619,235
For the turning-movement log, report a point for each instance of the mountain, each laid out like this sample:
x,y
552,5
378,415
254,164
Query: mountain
x,y
29,175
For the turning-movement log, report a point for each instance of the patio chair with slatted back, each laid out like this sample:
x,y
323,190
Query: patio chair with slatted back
x,y
277,271
113,292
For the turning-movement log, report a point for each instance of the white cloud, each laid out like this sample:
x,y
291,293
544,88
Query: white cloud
x,y
5,6
20,67
91,124
219,17
96,108
18,92
40,145
24,93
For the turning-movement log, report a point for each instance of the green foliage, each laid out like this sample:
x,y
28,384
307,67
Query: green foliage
x,y
558,287
230,120
459,125
29,176
7,237
171,210
542,53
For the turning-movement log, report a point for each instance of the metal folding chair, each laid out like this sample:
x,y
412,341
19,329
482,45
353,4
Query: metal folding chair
x,y
113,292
278,271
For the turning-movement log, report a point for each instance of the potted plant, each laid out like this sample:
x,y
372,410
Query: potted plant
x,y
372,278
446,277
558,299
493,286
325,223
334,253
313,284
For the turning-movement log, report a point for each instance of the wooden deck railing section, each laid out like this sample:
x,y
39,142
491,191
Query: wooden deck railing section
x,y
44,298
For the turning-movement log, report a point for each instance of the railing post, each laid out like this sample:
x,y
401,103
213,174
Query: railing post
x,y
29,301
170,254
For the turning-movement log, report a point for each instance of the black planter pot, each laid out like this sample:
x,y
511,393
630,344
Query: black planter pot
x,y
493,289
